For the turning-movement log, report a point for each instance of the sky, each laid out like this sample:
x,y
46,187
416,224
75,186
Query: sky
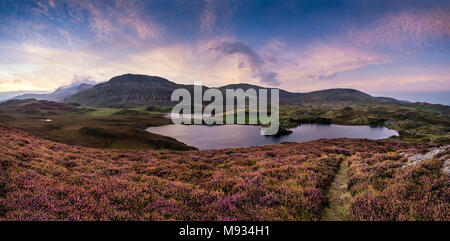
x,y
373,46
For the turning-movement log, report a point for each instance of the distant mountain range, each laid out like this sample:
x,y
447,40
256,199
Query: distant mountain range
x,y
6,95
131,90
126,91
59,94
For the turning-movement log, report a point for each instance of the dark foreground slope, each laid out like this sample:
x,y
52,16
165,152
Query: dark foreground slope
x,y
45,180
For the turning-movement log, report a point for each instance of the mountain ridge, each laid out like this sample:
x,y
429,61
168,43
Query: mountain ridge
x,y
59,94
131,90
7,95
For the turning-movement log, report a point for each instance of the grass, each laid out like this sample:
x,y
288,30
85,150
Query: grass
x,y
414,122
339,197
384,189
420,122
102,111
151,111
46,180
42,179
97,127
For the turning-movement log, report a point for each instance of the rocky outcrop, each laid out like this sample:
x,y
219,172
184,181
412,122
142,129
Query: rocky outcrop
x,y
446,167
418,158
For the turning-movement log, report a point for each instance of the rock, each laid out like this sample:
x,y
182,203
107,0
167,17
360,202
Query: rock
x,y
283,131
446,167
418,158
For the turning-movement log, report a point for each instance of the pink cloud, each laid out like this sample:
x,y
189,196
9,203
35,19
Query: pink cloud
x,y
51,3
208,17
318,62
249,58
402,83
111,22
404,30
216,16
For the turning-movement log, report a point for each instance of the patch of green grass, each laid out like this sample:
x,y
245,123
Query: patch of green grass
x,y
154,111
103,111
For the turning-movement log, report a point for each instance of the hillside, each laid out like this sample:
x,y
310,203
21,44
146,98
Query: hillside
x,y
285,96
77,125
59,94
33,106
6,95
126,91
131,90
45,180
336,95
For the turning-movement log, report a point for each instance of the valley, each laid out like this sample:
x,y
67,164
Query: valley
x,y
103,127
54,153
88,119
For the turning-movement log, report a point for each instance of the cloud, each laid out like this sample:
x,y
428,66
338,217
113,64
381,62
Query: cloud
x,y
51,3
41,8
251,58
216,17
182,63
81,79
269,78
208,16
403,31
317,62
327,61
36,62
213,61
101,39
322,76
404,82
72,41
188,62
382,41
114,21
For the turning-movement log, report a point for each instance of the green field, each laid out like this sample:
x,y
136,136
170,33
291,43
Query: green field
x,y
97,127
124,128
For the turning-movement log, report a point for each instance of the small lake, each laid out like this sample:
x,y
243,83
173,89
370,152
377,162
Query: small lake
x,y
206,137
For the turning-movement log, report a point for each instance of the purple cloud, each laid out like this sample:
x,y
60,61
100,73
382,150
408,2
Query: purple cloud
x,y
252,59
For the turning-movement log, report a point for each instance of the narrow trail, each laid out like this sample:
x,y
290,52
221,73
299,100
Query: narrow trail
x,y
338,196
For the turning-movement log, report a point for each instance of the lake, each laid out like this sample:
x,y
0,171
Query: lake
x,y
206,137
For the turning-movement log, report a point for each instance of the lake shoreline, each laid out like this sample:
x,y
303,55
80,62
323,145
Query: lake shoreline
x,y
208,137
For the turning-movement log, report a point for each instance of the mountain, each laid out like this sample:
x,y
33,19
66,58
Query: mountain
x,y
59,94
6,95
131,90
283,93
127,90
336,95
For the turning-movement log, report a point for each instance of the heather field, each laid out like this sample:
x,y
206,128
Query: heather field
x,y
46,180
388,186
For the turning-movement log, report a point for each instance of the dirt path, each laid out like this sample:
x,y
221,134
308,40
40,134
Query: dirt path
x,y
339,197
